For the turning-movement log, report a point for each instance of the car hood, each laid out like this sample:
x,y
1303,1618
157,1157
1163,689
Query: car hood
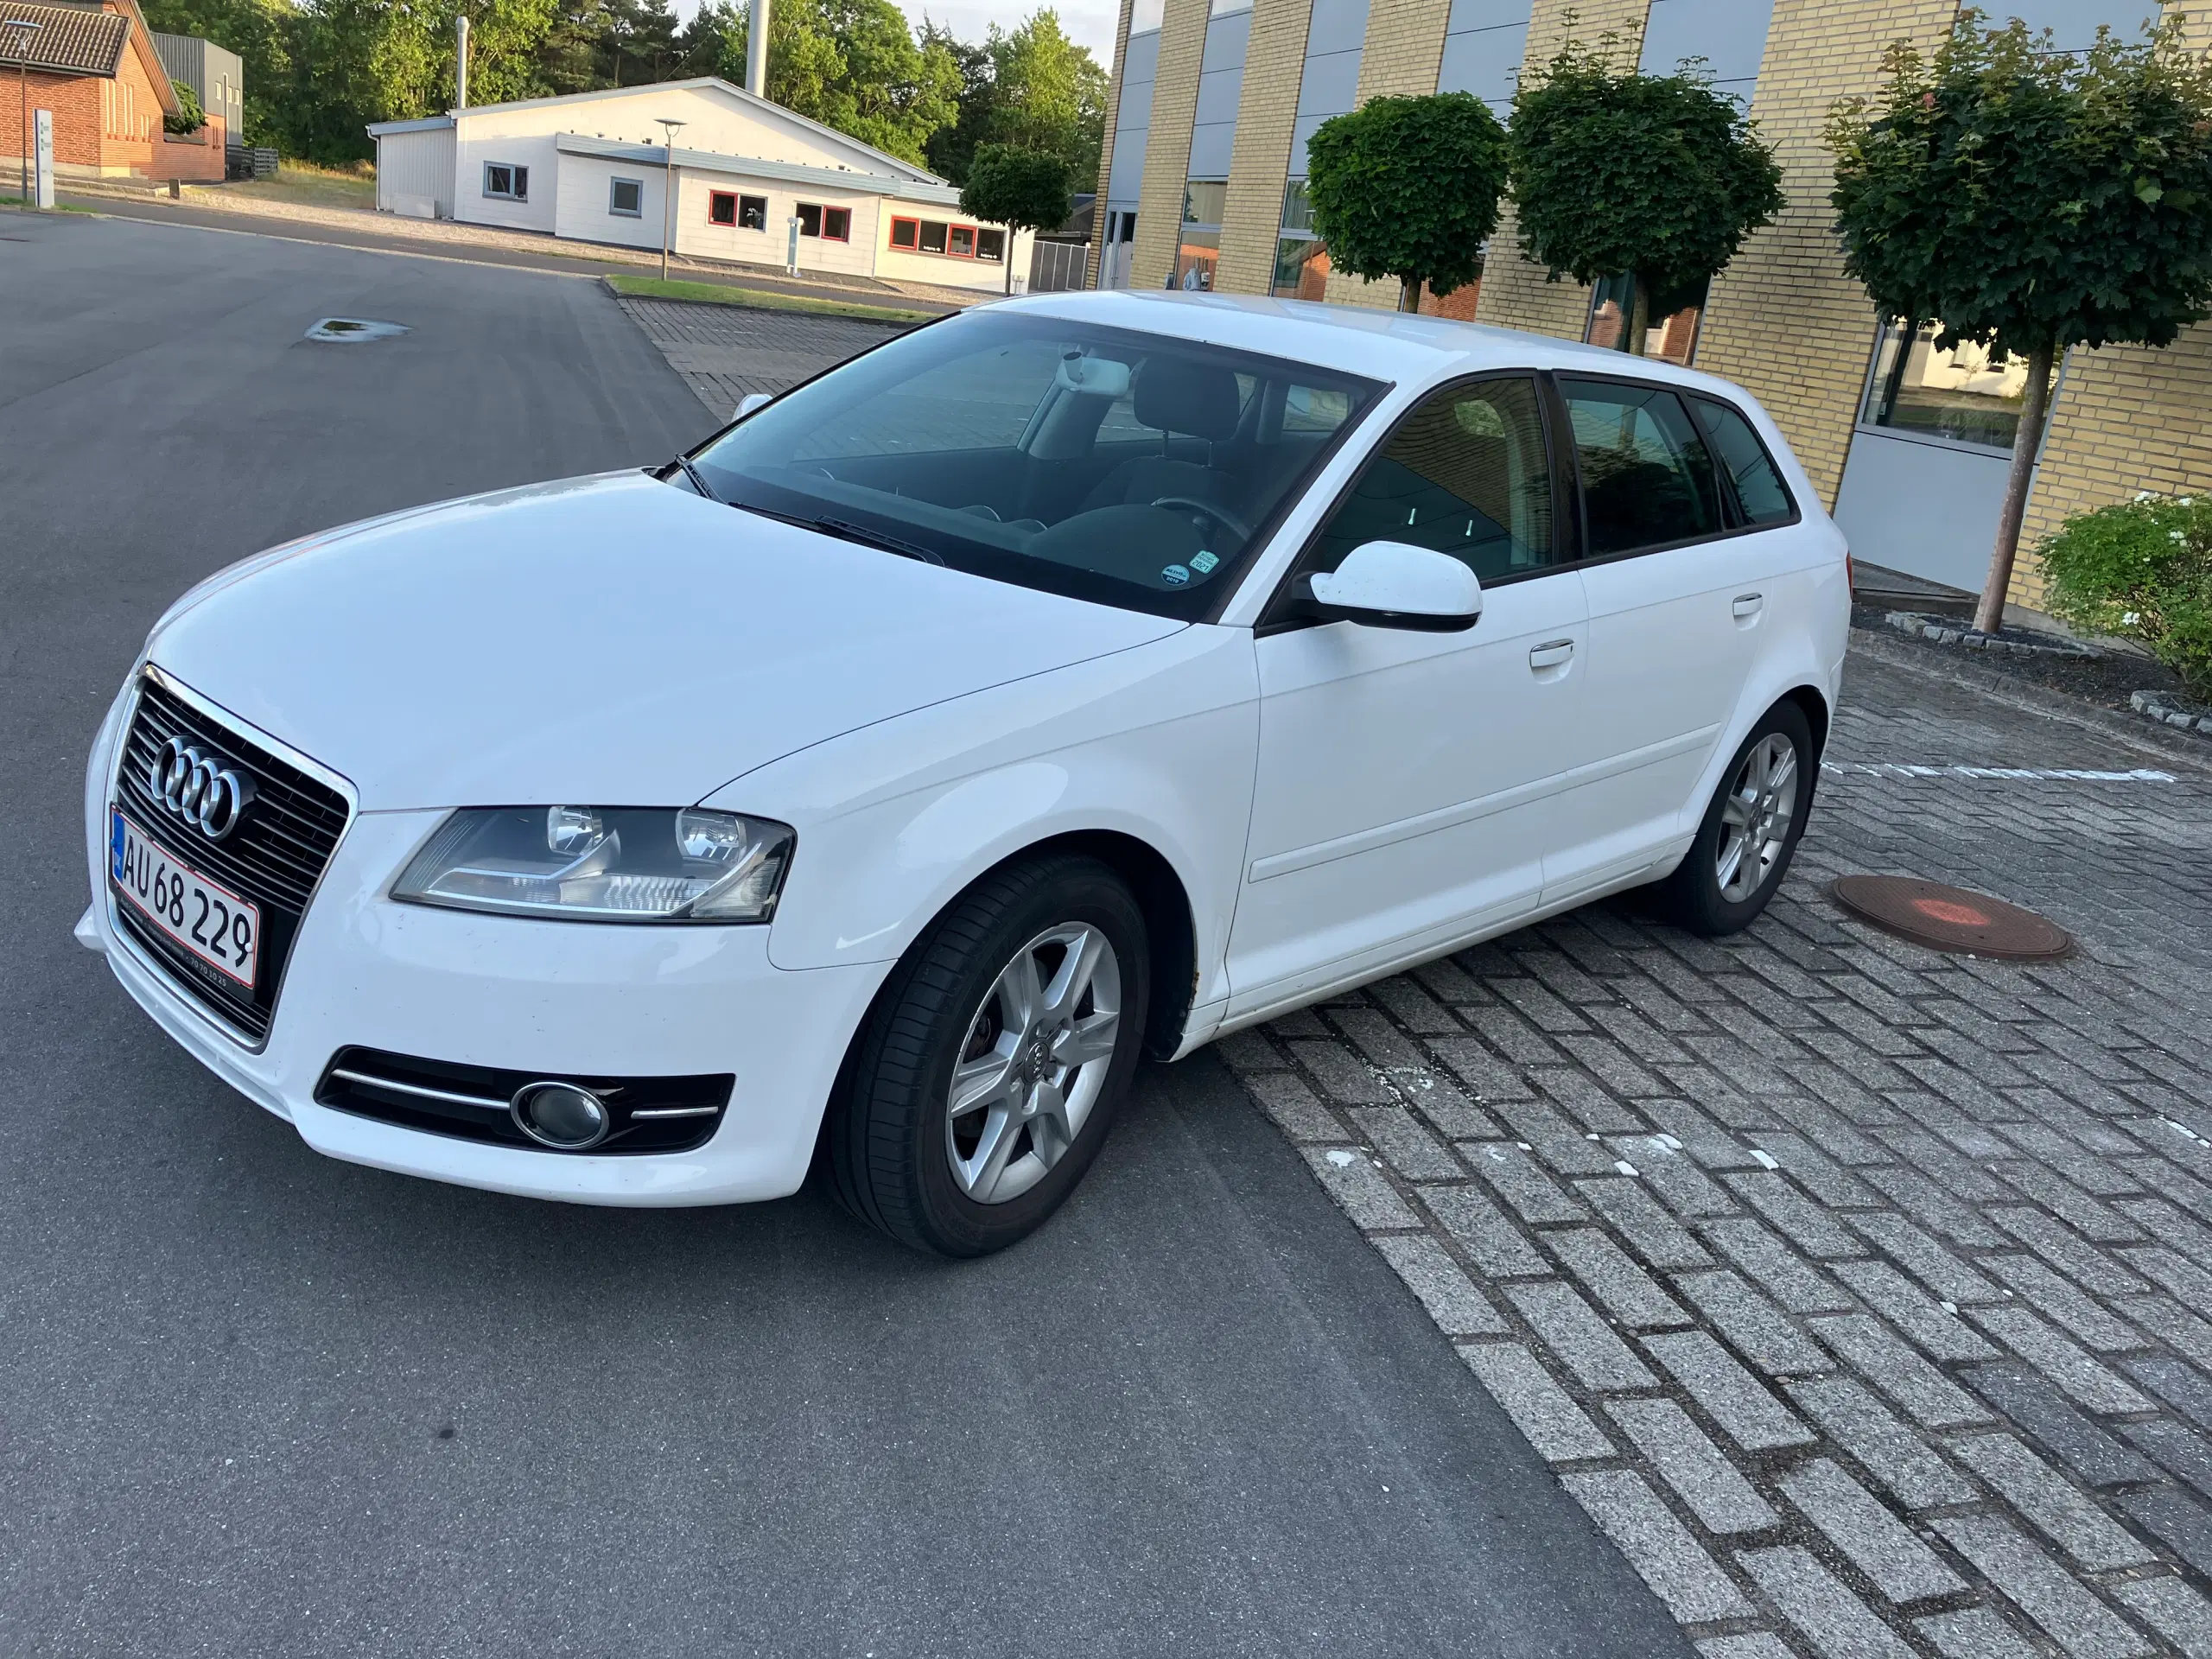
x,y
607,641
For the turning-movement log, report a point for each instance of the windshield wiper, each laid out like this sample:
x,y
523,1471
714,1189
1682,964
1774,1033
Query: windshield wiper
x,y
866,537
698,483
845,530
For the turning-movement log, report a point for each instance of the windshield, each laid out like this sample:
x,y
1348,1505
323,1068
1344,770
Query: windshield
x,y
1132,469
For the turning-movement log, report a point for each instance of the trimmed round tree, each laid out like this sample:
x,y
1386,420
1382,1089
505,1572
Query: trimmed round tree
x,y
1658,178
2031,200
1407,187
1021,189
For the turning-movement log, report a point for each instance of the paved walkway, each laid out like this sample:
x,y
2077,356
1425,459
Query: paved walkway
x,y
1854,1290
726,352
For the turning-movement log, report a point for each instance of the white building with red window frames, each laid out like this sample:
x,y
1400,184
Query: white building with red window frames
x,y
754,183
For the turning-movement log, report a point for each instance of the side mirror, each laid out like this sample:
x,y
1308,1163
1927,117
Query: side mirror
x,y
751,401
1397,585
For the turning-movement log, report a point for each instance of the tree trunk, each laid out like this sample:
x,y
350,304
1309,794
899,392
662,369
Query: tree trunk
x,y
1989,615
1409,293
1009,260
1639,317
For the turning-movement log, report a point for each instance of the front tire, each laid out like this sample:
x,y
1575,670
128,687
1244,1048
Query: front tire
x,y
1751,830
994,1059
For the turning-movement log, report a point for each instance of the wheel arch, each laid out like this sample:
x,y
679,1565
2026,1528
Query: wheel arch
x,y
1815,707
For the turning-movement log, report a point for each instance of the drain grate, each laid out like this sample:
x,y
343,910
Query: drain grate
x,y
341,331
1951,918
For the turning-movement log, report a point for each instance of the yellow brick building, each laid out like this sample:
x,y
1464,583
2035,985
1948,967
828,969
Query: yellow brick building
x,y
1213,102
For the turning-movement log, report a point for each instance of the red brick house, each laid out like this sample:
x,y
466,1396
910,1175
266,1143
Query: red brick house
x,y
91,62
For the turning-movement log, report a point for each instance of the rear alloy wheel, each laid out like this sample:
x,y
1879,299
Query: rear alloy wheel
x,y
1749,831
994,1059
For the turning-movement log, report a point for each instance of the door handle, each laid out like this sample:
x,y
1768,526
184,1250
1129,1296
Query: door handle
x,y
1747,605
1552,654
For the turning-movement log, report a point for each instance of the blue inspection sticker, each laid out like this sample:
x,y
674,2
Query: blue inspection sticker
x,y
1176,575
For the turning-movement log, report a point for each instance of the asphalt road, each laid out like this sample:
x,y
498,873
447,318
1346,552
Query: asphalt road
x,y
255,1403
575,259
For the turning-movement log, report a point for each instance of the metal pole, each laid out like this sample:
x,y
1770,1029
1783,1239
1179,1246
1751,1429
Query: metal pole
x,y
670,129
23,98
756,51
461,63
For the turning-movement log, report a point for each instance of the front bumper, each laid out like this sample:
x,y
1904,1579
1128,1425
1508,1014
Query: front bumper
x,y
554,997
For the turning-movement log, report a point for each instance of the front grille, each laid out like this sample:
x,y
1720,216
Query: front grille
x,y
275,856
469,1102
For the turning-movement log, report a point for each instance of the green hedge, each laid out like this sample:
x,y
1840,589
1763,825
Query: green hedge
x,y
2141,571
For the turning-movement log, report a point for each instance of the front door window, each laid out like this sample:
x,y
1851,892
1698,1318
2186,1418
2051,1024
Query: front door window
x,y
1466,475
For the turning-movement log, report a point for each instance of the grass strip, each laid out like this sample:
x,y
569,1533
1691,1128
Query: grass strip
x,y
651,288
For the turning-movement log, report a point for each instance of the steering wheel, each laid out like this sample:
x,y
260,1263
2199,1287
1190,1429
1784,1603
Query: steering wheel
x,y
1234,523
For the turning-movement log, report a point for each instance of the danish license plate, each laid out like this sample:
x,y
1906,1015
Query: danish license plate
x,y
214,924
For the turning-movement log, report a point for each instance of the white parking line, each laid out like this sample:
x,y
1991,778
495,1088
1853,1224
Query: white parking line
x,y
2068,774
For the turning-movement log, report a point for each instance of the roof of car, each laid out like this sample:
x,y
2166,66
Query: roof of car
x,y
1354,339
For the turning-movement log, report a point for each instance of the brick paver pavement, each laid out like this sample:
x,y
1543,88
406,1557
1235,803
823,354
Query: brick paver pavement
x,y
1863,1295
727,353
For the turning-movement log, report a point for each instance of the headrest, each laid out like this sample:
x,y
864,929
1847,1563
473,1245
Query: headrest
x,y
1173,394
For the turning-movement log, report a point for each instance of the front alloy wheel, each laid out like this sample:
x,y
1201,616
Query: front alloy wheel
x,y
994,1058
1035,1062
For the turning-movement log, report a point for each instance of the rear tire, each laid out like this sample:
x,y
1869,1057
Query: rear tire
x,y
975,1100
1750,829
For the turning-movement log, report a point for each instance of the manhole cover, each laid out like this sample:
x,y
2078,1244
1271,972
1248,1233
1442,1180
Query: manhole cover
x,y
1951,918
340,331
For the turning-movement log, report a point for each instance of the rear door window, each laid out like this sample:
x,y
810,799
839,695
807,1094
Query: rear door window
x,y
1761,497
1647,476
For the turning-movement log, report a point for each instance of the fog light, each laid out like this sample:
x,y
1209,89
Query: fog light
x,y
561,1116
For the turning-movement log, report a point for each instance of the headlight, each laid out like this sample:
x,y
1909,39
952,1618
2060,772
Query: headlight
x,y
603,863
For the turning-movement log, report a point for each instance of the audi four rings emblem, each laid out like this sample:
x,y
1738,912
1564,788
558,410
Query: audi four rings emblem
x,y
204,789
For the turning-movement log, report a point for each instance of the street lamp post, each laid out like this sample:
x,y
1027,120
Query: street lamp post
x,y
23,96
667,185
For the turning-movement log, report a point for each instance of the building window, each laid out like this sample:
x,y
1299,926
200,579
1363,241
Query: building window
x,y
1301,269
831,224
1301,261
1198,249
506,181
935,236
625,198
1669,336
1146,16
1966,395
732,211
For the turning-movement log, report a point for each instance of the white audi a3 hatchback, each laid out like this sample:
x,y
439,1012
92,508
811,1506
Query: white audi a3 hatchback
x,y
1072,680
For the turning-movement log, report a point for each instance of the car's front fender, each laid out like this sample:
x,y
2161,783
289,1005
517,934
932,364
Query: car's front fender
x,y
1156,743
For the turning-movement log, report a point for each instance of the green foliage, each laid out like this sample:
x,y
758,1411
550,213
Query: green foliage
x,y
1022,189
1408,187
319,70
1656,176
259,31
2030,197
853,65
1030,87
2141,571
190,116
